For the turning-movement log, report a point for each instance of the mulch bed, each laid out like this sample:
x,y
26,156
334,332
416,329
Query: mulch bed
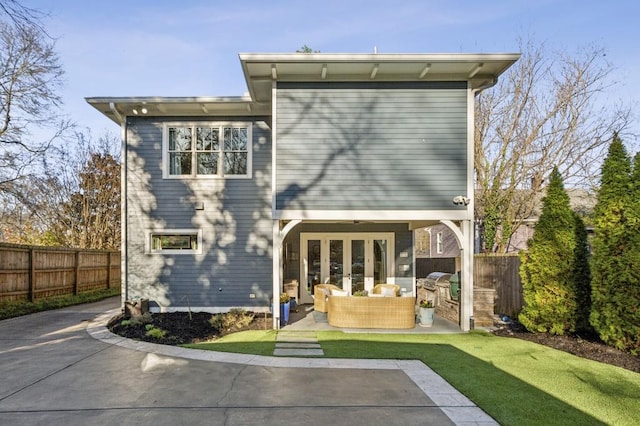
x,y
182,327
589,347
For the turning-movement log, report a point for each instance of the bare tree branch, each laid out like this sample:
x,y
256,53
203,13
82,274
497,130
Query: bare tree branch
x,y
549,110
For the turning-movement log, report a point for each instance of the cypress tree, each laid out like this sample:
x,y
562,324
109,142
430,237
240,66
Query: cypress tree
x,y
547,267
582,277
615,313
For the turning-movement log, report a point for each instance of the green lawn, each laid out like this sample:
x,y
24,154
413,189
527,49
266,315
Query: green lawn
x,y
515,381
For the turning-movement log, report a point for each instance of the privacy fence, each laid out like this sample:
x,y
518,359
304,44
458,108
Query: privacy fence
x,y
32,273
499,272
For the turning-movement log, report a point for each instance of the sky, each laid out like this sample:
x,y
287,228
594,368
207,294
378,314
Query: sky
x,y
190,47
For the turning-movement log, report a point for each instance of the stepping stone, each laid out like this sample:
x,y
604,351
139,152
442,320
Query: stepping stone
x,y
299,345
293,339
298,352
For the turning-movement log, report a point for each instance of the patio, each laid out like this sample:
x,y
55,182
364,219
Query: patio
x,y
307,319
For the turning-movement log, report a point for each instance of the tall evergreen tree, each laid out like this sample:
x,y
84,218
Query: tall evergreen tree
x,y
582,277
615,293
547,268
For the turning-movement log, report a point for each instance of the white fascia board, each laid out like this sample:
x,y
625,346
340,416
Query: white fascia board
x,y
377,215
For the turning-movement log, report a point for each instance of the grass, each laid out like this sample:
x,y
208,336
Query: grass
x,y
517,382
257,342
17,308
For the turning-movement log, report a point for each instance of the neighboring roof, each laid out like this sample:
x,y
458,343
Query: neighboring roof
x,y
262,69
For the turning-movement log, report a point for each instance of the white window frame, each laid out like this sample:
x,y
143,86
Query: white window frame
x,y
187,232
194,166
439,243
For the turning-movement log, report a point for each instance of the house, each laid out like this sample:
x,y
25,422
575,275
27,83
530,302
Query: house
x,y
321,174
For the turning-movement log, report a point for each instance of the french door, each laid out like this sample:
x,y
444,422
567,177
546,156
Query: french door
x,y
352,261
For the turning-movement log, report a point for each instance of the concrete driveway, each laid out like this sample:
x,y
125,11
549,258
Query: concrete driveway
x,y
64,367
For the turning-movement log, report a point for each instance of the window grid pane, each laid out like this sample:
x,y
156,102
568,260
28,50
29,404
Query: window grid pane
x,y
204,156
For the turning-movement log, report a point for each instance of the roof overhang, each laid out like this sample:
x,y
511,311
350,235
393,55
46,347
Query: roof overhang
x,y
481,70
116,108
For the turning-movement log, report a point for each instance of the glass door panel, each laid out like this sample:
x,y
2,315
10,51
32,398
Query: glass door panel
x,y
357,265
336,262
380,261
314,265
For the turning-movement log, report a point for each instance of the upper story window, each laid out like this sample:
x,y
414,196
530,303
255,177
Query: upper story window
x,y
207,150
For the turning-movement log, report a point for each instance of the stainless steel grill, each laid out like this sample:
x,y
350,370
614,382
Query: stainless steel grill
x,y
433,279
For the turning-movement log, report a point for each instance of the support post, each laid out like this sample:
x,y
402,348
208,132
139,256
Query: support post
x,y
277,248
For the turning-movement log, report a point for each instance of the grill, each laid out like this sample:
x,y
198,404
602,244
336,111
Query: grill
x,y
433,279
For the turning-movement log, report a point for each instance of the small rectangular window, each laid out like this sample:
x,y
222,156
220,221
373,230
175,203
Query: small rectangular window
x,y
175,242
439,243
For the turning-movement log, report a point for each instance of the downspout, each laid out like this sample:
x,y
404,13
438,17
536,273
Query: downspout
x,y
123,204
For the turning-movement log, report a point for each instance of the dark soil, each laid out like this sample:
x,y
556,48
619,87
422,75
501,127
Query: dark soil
x,y
181,328
589,347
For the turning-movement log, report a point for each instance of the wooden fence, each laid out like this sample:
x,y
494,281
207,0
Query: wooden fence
x,y
32,273
499,272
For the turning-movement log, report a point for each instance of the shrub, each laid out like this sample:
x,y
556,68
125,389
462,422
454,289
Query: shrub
x,y
547,268
615,284
156,333
235,319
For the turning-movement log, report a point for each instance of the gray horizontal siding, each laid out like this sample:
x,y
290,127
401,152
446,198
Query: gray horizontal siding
x,y
236,226
376,146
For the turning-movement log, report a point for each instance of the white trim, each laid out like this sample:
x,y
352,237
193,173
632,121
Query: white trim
x,y
274,131
221,125
382,215
151,232
207,309
124,234
275,271
470,151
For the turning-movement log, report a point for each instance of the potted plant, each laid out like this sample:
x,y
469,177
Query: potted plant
x,y
285,304
427,311
361,293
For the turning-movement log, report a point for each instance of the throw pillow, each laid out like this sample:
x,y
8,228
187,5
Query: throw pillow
x,y
335,292
388,291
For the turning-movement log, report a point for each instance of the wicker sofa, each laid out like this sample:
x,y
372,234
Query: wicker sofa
x,y
371,312
320,294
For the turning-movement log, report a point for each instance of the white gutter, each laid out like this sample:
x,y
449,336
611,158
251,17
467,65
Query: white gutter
x,y
124,288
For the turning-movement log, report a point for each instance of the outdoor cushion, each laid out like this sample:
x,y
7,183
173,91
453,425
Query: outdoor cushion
x,y
388,292
335,292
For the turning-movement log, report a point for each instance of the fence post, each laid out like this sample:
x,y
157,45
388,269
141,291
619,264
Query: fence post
x,y
76,273
108,270
32,275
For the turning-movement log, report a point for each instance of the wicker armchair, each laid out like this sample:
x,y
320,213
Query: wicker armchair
x,y
378,288
320,296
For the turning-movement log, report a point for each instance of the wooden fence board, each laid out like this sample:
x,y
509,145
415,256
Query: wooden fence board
x,y
499,272
30,272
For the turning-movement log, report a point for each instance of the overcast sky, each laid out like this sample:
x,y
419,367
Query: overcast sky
x,y
190,47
